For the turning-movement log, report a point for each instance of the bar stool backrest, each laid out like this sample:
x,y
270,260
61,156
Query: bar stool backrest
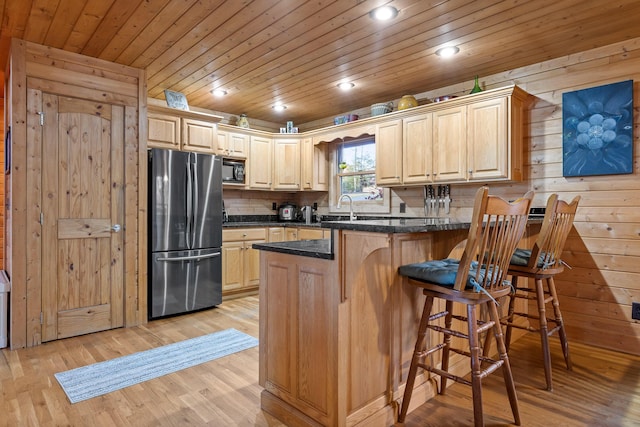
x,y
496,228
556,225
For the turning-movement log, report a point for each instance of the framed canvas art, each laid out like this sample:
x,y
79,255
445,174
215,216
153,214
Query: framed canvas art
x,y
597,130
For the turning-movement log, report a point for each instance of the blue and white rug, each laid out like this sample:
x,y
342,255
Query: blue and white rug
x,y
104,377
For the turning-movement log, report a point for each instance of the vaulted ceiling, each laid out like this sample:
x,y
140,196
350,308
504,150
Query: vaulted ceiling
x,y
296,52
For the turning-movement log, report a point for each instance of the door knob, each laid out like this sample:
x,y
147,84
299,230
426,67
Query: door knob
x,y
115,228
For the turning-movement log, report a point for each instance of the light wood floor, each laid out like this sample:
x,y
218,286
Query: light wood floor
x,y
602,390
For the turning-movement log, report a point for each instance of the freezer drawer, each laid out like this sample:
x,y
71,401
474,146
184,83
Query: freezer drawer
x,y
184,281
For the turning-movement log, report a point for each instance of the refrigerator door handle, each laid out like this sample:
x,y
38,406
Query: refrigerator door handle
x,y
189,207
190,258
194,197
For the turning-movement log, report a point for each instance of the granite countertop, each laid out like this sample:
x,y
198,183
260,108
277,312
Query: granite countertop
x,y
324,248
310,248
397,225
242,224
240,221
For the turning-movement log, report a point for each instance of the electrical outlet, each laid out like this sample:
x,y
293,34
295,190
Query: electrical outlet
x,y
635,310
403,207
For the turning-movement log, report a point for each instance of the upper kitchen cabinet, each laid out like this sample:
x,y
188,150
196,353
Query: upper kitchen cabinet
x,y
164,131
286,164
417,139
490,141
314,165
389,152
232,143
182,130
198,135
474,138
449,144
491,128
260,162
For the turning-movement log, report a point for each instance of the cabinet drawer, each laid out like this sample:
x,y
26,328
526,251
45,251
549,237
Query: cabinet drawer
x,y
237,234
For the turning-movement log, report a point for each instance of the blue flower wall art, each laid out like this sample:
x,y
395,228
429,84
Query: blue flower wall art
x,y
597,130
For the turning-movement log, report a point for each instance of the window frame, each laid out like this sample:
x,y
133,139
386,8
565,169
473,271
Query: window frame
x,y
359,206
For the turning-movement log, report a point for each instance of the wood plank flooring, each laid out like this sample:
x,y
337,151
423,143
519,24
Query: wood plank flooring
x,y
602,390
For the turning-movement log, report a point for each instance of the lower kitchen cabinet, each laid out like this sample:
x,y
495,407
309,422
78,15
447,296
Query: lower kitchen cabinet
x,y
288,234
240,262
306,233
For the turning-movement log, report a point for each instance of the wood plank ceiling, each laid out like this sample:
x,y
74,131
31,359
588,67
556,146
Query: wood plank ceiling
x,y
295,51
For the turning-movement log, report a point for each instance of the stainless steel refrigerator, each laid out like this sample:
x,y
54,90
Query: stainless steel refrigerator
x,y
185,232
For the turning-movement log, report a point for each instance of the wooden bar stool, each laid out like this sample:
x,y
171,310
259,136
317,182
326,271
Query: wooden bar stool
x,y
476,279
542,263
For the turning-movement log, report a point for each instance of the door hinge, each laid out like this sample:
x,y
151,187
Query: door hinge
x,y
41,318
41,218
41,114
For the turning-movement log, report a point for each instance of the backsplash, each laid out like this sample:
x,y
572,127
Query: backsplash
x,y
249,202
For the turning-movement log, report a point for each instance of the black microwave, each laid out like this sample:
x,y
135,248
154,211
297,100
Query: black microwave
x,y
233,171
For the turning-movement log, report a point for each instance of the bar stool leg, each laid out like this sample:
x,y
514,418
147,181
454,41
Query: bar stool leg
x,y
476,368
510,315
506,366
448,319
544,333
558,316
417,353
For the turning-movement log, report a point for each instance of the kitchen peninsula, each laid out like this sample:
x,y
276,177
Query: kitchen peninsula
x,y
337,323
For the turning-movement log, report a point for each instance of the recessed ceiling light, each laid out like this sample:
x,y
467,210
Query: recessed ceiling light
x,y
279,107
219,92
383,13
346,85
447,51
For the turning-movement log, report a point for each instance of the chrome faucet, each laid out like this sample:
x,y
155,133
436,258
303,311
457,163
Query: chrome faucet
x,y
352,216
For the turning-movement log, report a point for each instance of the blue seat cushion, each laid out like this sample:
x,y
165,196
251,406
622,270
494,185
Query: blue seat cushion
x,y
441,272
521,257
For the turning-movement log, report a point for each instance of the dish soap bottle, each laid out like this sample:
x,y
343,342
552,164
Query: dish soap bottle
x,y
243,122
476,87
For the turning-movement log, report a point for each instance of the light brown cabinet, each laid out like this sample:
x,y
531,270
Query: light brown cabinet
x,y
450,144
260,162
232,144
487,136
389,153
240,262
198,135
417,142
314,165
177,130
305,233
474,138
164,131
276,234
286,164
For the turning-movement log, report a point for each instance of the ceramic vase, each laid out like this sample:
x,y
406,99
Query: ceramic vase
x,y
407,101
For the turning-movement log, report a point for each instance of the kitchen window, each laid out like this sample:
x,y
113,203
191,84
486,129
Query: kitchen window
x,y
354,163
